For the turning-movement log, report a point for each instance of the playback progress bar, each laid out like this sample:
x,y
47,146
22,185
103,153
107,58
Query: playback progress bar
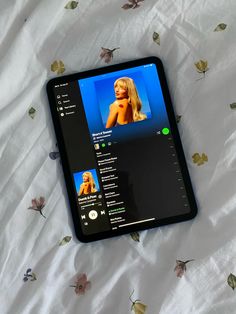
x,y
137,222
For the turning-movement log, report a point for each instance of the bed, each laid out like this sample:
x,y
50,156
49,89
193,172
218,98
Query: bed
x,y
183,268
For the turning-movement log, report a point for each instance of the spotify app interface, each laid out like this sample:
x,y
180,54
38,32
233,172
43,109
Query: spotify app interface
x,y
121,153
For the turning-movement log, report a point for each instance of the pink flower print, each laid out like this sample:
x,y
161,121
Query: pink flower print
x,y
81,284
180,267
133,4
107,54
38,205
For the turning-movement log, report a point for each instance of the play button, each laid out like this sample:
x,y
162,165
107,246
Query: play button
x,y
93,214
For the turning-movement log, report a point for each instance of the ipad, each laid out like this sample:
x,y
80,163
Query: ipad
x,y
120,149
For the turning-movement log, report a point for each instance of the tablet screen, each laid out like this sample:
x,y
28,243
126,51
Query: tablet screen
x,y
120,149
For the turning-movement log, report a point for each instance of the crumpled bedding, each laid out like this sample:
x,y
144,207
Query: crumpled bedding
x,y
178,269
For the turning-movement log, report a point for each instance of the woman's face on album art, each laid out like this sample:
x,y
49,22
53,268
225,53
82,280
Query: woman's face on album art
x,y
85,178
120,91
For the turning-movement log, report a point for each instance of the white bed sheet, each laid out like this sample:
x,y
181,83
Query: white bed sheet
x,y
33,35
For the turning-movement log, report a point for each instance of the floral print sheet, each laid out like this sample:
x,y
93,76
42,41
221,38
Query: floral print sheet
x,y
183,268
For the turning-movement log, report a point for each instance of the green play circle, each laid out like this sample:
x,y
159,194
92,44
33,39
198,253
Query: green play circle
x,y
165,131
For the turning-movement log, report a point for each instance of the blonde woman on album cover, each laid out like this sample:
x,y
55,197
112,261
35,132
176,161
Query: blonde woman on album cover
x,y
127,106
88,185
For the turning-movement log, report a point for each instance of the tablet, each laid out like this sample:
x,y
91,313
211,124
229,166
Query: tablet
x,y
120,149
